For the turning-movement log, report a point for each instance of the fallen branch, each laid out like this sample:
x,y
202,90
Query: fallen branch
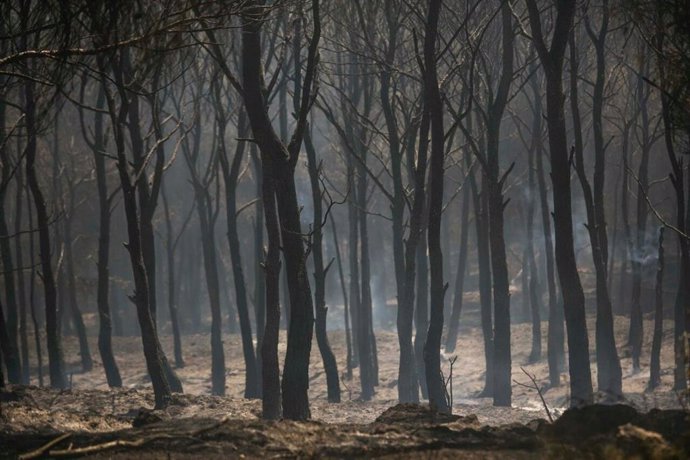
x,y
536,387
44,448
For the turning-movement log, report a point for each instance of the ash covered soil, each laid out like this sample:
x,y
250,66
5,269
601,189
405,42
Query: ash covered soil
x,y
91,420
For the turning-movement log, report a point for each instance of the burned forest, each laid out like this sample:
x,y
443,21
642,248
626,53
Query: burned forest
x,y
344,229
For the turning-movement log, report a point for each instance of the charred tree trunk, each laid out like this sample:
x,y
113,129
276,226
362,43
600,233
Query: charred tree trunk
x,y
231,171
155,358
21,284
295,382
655,355
346,306
170,246
484,265
573,296
54,343
329,363
555,331
454,321
636,332
421,312
608,364
259,270
10,328
353,244
363,331
434,104
531,265
32,293
270,371
411,357
105,346
501,283
77,318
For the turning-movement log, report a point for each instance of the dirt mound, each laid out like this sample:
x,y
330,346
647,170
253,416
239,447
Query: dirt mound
x,y
620,431
416,414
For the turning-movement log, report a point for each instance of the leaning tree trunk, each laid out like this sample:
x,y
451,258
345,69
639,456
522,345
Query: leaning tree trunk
x,y
153,353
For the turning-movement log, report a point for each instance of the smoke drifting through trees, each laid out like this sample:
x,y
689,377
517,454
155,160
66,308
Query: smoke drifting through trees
x,y
418,166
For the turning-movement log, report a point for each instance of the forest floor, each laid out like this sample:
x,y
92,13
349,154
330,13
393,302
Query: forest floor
x,y
90,414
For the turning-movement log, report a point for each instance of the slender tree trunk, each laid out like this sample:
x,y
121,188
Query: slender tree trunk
x,y
295,382
11,327
411,356
170,244
207,223
499,265
105,346
534,288
271,402
454,322
421,312
366,352
608,365
329,362
346,308
259,271
153,354
555,330
434,104
231,171
573,296
655,355
637,247
21,285
84,351
32,293
56,366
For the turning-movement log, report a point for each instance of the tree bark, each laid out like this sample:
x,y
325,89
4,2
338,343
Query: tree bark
x,y
608,365
655,355
573,296
295,382
454,321
54,342
434,104
327,356
231,171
